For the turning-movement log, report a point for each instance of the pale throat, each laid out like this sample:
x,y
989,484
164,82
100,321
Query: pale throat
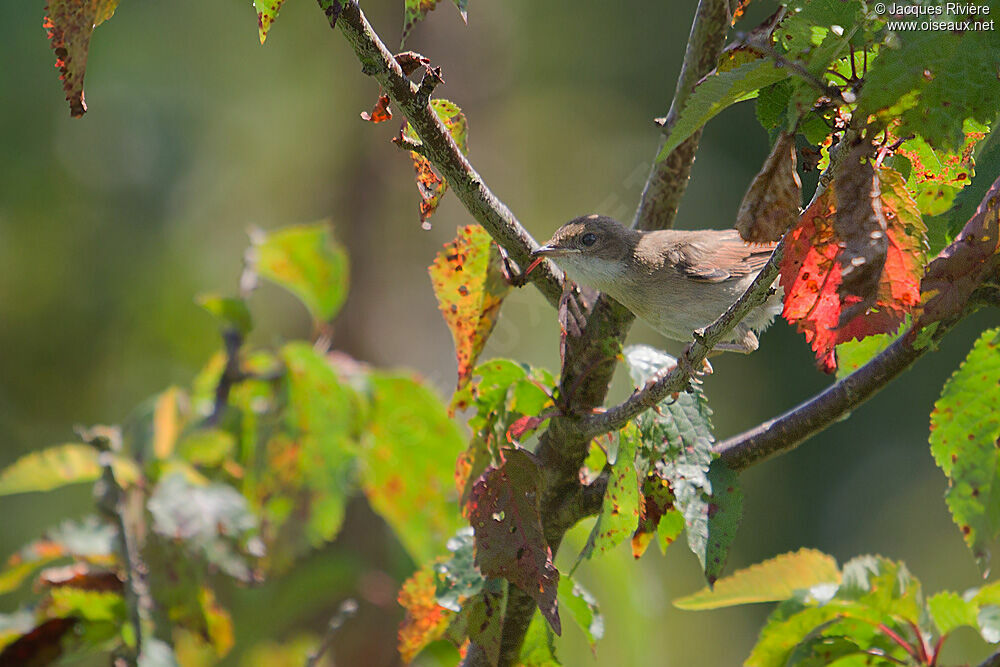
x,y
597,272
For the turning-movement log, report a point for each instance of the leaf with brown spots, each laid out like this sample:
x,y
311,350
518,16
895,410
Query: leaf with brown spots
x,y
657,502
469,285
429,184
965,442
509,538
267,13
771,204
69,25
961,267
937,176
619,515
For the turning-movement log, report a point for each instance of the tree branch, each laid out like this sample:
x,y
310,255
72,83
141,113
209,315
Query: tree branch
x,y
378,62
789,430
668,178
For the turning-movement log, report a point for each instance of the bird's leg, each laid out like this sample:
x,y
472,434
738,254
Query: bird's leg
x,y
747,344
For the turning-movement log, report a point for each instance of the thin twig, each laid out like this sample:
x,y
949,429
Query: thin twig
x,y
378,62
348,608
112,502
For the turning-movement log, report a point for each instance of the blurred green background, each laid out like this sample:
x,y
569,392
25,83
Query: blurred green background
x,y
109,226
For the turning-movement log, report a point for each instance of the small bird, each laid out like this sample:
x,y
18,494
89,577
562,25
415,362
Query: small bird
x,y
676,281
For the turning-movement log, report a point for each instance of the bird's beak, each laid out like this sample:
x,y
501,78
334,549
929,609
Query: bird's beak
x,y
546,250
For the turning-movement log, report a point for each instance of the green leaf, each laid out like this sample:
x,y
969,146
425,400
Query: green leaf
x,y
539,649
409,463
65,601
60,465
772,580
156,653
965,429
933,81
854,354
582,608
308,262
231,312
884,586
207,447
677,440
949,611
718,91
988,620
619,515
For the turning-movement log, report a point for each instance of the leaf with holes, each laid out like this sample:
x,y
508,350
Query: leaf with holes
x,y
509,538
937,176
965,432
69,25
469,285
307,261
961,267
429,184
773,580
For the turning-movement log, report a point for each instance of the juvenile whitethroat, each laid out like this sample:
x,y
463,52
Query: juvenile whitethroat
x,y
676,281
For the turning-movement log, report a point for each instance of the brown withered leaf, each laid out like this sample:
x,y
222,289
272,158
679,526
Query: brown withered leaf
x,y
861,228
380,112
771,204
410,61
69,25
962,266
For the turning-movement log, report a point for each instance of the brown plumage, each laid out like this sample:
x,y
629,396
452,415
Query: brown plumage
x,y
676,281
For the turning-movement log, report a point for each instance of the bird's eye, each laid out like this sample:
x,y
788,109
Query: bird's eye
x,y
589,239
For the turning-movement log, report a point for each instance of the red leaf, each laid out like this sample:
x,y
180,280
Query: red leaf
x,y
509,538
69,25
961,267
380,112
811,276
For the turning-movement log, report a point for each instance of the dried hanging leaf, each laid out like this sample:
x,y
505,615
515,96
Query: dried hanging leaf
x,y
429,184
961,267
380,112
69,25
470,288
771,204
416,10
861,229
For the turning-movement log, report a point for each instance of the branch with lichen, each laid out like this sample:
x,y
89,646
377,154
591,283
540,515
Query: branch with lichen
x,y
438,146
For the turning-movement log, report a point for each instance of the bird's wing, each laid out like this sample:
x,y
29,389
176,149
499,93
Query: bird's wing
x,y
724,256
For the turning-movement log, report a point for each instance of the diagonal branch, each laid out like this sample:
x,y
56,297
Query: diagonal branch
x,y
378,62
791,429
